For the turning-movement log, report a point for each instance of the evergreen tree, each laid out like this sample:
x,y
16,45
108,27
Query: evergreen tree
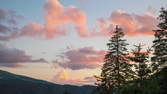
x,y
116,70
159,58
140,59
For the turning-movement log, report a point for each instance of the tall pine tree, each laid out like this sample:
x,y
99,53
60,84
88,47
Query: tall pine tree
x,y
116,70
159,58
141,62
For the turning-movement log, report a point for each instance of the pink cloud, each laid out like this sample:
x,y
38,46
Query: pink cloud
x,y
82,58
133,24
32,30
102,29
58,16
56,19
11,57
124,20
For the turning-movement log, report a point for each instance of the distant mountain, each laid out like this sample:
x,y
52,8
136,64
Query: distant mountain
x,y
17,84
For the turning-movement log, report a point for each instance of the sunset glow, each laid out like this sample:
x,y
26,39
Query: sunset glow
x,y
64,41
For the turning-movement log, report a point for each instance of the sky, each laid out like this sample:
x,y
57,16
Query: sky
x,y
64,41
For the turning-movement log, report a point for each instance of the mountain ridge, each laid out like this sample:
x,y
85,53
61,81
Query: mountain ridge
x,y
17,84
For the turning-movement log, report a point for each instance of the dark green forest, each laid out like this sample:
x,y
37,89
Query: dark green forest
x,y
138,71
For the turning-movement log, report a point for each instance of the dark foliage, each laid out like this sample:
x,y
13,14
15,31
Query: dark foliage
x,y
116,70
140,60
160,43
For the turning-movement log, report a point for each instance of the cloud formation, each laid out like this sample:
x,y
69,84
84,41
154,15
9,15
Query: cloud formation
x,y
57,16
11,57
8,23
3,29
9,16
132,24
56,20
82,58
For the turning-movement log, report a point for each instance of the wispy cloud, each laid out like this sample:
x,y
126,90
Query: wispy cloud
x,y
82,58
8,23
9,16
11,57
